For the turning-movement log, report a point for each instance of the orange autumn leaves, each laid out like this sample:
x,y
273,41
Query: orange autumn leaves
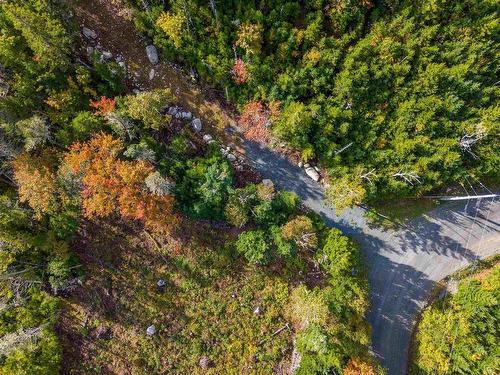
x,y
108,184
36,181
111,184
255,120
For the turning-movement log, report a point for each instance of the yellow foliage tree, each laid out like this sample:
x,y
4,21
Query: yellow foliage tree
x,y
173,25
250,38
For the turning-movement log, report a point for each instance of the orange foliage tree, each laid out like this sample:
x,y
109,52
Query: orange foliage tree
x,y
255,120
114,185
104,105
36,180
357,366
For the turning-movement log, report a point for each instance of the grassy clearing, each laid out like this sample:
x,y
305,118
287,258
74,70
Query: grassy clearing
x,y
206,310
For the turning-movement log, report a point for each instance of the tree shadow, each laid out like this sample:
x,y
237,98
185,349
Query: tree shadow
x,y
403,264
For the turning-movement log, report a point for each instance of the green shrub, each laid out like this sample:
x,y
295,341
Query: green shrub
x,y
284,248
204,188
41,355
254,245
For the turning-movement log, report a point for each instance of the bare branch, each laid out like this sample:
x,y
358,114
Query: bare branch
x,y
343,149
409,177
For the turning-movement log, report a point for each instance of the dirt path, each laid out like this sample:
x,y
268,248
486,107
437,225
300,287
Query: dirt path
x,y
113,23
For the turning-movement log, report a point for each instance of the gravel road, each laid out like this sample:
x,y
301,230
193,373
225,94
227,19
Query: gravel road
x,y
404,264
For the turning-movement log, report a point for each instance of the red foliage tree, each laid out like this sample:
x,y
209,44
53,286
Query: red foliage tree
x,y
239,72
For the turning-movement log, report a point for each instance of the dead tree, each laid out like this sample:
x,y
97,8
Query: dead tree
x,y
214,9
469,140
409,177
343,149
367,176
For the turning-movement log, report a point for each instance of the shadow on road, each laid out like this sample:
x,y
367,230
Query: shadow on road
x,y
403,264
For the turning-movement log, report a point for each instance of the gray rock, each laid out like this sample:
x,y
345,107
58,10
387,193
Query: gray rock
x,y
311,172
151,74
151,330
301,164
88,33
186,115
161,283
257,311
152,54
122,65
307,165
316,168
207,138
205,363
196,124
107,55
173,111
267,182
231,157
90,51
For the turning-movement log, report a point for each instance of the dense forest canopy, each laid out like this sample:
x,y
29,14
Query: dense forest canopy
x,y
395,98
459,334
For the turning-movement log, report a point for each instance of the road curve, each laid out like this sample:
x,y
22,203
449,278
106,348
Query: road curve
x,y
404,264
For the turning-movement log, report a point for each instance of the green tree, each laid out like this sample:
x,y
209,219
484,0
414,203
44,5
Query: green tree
x,y
458,334
254,245
148,107
345,192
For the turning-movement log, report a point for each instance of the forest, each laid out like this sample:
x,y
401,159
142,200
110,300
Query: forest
x,y
458,333
393,98
121,228
129,243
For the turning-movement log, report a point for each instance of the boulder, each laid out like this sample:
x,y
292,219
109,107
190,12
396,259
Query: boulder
x,y
231,157
151,330
88,33
311,172
186,115
257,311
205,363
267,182
103,332
173,111
196,124
301,164
107,55
207,138
152,54
151,74
161,285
